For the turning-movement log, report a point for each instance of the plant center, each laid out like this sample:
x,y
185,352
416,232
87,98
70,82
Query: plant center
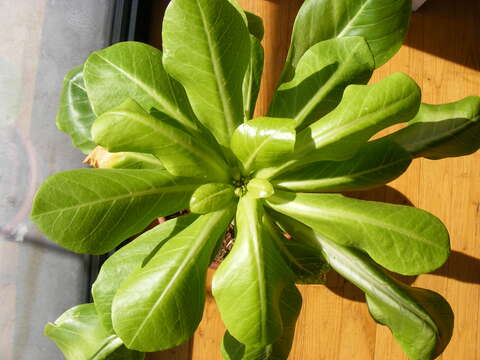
x,y
240,186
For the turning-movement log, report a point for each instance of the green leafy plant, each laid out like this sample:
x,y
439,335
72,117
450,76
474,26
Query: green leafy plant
x,y
176,132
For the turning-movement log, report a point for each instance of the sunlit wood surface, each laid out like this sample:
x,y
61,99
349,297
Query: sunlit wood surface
x,y
442,54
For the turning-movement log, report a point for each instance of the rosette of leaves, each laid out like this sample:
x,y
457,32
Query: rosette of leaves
x,y
179,132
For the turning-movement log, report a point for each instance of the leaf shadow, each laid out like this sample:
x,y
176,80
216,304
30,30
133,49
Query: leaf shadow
x,y
342,287
459,266
383,193
335,282
467,132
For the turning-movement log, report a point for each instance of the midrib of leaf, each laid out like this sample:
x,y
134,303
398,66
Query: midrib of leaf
x,y
112,343
425,140
217,71
258,258
193,252
77,85
254,154
350,124
330,213
175,188
303,150
339,179
323,90
161,131
329,246
310,105
352,20
155,95
333,133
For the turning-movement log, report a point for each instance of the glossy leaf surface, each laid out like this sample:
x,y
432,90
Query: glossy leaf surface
x,y
375,164
116,269
363,111
164,300
93,210
130,128
421,320
321,76
80,336
383,23
403,239
260,188
290,305
134,70
263,142
75,115
207,49
440,131
212,197
248,284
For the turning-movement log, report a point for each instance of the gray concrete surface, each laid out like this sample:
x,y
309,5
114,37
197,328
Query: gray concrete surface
x,y
39,42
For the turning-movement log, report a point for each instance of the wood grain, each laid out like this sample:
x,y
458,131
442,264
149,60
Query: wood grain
x,y
442,53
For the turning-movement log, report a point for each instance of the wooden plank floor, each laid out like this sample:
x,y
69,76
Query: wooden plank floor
x,y
442,54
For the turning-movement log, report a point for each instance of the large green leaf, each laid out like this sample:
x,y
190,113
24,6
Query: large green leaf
x,y
93,210
403,239
321,76
129,258
363,111
263,142
440,131
129,127
134,70
247,286
160,305
75,115
80,336
305,260
207,49
375,164
253,77
383,23
290,305
421,320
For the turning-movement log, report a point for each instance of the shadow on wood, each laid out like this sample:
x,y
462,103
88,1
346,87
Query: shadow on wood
x,y
341,287
384,193
182,352
461,267
448,19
